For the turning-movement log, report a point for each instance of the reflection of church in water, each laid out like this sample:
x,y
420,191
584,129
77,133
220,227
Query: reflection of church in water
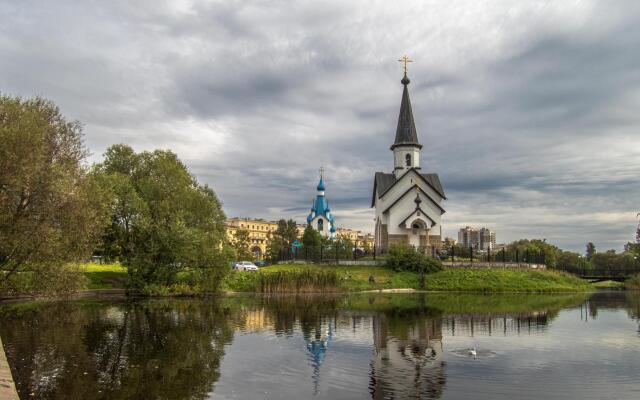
x,y
408,349
407,363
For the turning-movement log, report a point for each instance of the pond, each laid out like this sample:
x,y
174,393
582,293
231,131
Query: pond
x,y
379,346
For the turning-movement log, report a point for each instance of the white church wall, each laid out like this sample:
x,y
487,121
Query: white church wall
x,y
399,156
407,205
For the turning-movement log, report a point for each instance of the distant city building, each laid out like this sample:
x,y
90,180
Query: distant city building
x,y
320,217
479,239
360,240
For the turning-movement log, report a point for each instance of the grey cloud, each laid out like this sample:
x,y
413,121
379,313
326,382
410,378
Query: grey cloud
x,y
532,127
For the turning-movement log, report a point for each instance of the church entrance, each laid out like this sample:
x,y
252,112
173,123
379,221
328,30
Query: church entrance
x,y
417,228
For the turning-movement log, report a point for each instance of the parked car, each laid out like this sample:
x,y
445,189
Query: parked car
x,y
262,263
245,266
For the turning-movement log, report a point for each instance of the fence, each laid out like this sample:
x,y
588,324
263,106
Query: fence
x,y
338,253
470,256
328,254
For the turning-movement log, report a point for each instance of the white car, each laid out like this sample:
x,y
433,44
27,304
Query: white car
x,y
245,266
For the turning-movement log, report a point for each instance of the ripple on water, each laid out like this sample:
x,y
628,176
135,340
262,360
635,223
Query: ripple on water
x,y
480,353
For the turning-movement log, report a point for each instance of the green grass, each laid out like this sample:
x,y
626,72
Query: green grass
x,y
326,278
505,280
608,285
356,278
104,276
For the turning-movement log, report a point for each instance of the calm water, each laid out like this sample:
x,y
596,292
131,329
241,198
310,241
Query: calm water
x,y
347,347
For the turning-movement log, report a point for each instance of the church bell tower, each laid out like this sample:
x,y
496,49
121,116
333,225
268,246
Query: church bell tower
x,y
406,148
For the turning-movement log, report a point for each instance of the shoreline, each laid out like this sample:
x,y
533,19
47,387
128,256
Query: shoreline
x,y
122,294
7,385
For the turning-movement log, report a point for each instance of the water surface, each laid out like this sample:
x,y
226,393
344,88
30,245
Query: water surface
x,y
378,346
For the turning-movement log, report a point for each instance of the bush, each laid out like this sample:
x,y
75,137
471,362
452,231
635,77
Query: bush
x,y
633,283
44,281
402,258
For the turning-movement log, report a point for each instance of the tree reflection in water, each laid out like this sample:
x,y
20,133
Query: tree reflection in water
x,y
128,350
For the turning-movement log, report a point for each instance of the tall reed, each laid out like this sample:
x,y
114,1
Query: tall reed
x,y
304,281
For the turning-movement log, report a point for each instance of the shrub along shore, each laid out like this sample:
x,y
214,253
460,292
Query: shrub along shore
x,y
297,278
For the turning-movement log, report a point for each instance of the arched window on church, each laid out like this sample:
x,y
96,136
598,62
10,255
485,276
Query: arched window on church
x,y
320,225
407,160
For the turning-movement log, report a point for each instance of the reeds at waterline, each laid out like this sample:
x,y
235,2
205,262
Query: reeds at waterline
x,y
304,281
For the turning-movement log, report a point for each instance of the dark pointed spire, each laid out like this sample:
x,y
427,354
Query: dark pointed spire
x,y
406,133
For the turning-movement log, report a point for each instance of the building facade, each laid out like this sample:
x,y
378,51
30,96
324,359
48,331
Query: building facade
x,y
408,202
480,239
362,241
320,217
259,230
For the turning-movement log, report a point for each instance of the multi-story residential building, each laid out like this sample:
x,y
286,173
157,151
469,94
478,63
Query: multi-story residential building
x,y
258,232
360,240
479,239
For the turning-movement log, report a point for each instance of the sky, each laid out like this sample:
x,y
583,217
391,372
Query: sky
x,y
527,110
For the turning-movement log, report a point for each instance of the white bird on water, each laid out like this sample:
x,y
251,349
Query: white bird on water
x,y
473,352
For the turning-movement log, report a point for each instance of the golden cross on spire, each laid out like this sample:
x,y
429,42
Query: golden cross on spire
x,y
405,60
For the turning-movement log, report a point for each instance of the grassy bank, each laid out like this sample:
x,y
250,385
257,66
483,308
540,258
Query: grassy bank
x,y
315,278
357,278
104,276
505,280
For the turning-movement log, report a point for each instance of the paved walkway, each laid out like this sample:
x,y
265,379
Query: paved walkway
x,y
7,387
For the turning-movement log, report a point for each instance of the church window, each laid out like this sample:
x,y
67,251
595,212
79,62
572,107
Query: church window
x,y
320,225
407,159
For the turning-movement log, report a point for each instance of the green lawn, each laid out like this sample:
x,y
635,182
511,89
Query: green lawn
x,y
505,280
356,278
105,276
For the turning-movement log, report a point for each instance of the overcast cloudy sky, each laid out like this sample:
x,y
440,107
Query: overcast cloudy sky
x,y
529,111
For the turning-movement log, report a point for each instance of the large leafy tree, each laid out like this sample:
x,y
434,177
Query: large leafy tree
x,y
52,211
281,239
242,245
534,248
311,238
164,222
590,250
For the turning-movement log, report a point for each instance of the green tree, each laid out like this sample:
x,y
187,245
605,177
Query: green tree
x,y
242,245
590,250
52,212
345,246
163,221
280,241
311,238
535,248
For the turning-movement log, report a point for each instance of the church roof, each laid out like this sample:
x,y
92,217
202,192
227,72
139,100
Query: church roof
x,y
404,221
320,205
383,182
406,133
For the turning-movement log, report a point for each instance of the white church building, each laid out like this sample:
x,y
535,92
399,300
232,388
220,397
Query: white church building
x,y
408,202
